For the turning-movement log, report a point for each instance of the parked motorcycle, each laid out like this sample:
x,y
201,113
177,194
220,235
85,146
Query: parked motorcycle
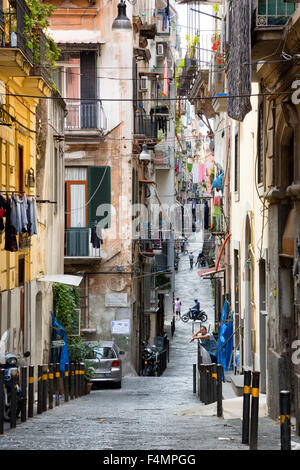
x,y
202,316
150,360
10,362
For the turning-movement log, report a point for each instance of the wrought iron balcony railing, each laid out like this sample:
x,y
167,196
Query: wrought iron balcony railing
x,y
15,35
84,114
145,124
273,13
78,243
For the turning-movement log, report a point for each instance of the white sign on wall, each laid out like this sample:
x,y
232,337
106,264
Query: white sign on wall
x,y
120,327
116,300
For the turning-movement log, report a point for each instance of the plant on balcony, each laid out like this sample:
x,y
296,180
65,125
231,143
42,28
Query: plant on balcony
x,y
66,301
191,46
37,21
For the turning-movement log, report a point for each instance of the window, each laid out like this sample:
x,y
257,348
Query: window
x,y
260,145
76,197
236,160
77,81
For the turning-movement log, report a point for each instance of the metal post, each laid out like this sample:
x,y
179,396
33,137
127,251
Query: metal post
x,y
219,391
194,378
81,368
246,407
40,390
285,420
254,411
66,382
51,385
57,377
13,398
2,401
45,386
24,393
206,384
202,378
76,379
30,391
214,382
72,380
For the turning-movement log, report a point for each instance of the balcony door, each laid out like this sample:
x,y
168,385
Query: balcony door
x,y
77,232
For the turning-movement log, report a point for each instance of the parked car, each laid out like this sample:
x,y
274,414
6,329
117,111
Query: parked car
x,y
106,362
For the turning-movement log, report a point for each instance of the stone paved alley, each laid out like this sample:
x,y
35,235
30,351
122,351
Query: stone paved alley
x,y
145,413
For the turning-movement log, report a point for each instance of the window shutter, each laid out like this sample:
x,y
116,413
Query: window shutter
x,y
98,194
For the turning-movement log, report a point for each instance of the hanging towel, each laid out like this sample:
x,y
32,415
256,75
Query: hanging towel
x,y
166,78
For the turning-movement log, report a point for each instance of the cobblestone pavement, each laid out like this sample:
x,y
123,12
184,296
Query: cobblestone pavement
x,y
143,414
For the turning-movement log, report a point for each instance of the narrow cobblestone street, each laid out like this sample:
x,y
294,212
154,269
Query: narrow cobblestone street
x,y
145,413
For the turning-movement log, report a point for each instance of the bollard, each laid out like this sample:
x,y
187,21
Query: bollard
x,y
219,391
285,420
45,386
202,379
24,393
2,401
209,384
40,390
13,398
254,410
214,382
66,382
246,407
51,385
57,377
81,378
30,391
194,378
76,379
72,379
206,384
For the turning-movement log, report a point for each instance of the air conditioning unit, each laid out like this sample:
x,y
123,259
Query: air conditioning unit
x,y
143,83
160,49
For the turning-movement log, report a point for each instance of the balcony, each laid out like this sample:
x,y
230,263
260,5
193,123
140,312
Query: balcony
x,y
18,55
271,18
84,115
219,91
78,246
273,13
145,127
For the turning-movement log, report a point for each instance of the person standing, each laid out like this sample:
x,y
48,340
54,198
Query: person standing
x,y
208,342
177,308
191,256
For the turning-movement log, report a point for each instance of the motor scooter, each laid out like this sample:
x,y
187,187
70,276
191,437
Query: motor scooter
x,y
150,360
9,361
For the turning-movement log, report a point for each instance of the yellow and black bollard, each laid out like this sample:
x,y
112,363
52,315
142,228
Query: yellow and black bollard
x,y
254,410
246,407
51,385
57,383
285,420
40,390
45,386
72,380
13,397
2,401
30,391
66,382
214,382
24,393
219,391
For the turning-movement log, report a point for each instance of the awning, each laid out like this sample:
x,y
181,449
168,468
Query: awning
x,y
211,271
75,36
62,279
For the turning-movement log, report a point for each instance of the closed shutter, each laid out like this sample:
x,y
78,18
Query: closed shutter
x,y
99,193
88,90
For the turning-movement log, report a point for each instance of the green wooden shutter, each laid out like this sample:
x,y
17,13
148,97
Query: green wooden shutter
x,y
98,195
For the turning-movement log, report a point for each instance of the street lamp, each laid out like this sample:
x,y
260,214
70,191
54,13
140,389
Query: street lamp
x,y
121,22
145,155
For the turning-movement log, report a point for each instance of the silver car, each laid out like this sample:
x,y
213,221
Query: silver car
x,y
106,362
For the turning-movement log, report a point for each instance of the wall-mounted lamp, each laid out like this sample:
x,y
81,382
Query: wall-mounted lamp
x,y
145,155
121,22
29,178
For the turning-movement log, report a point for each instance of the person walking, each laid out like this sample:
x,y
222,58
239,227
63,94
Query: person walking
x,y
191,256
177,308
